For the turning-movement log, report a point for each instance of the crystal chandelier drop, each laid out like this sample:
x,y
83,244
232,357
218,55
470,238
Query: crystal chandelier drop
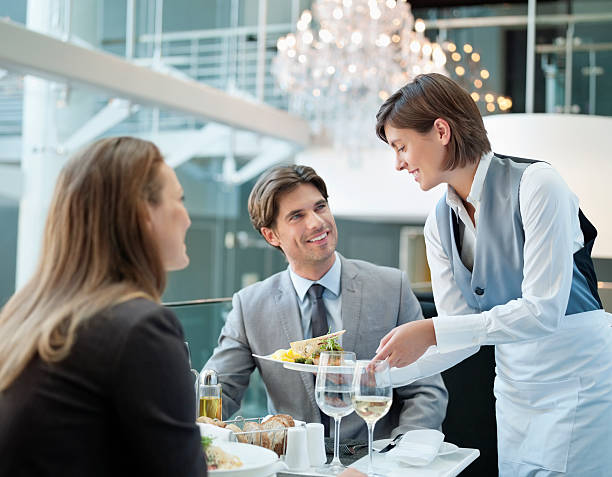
x,y
348,56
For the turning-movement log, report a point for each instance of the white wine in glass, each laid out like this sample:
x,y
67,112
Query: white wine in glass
x,y
372,397
333,393
372,408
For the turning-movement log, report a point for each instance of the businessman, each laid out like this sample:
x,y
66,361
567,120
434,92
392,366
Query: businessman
x,y
319,291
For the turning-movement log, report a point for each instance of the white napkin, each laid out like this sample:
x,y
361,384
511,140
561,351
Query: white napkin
x,y
418,447
216,432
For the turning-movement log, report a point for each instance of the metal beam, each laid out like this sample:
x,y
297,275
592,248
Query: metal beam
x,y
109,116
261,49
197,143
273,152
530,66
171,143
516,20
569,62
29,52
216,33
605,46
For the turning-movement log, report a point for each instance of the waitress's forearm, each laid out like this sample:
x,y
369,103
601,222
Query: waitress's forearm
x,y
431,363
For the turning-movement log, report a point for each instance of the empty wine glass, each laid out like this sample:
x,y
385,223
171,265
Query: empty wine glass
x,y
196,381
372,397
333,393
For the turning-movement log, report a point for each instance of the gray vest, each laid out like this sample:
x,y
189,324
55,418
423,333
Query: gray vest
x,y
497,273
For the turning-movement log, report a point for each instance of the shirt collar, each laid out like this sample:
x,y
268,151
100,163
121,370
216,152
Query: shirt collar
x,y
331,280
452,198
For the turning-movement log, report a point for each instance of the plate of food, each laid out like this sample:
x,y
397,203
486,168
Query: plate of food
x,y
236,459
303,355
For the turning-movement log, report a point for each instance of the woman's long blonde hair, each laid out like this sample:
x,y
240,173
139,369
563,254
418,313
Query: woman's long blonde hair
x,y
97,251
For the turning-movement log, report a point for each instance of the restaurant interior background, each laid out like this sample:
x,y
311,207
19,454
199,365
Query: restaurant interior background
x,y
214,84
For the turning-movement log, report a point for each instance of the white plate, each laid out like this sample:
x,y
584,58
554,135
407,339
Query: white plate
x,y
256,461
308,368
445,447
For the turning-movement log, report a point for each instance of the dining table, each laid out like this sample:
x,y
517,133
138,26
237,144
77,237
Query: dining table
x,y
355,454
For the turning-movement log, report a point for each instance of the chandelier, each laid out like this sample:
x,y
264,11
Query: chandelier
x,y
346,57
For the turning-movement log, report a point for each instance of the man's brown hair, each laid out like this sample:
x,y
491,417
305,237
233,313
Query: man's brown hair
x,y
431,96
264,198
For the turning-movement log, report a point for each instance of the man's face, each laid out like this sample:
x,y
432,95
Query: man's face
x,y
305,230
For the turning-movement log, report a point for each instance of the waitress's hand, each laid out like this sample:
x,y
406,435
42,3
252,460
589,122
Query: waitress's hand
x,y
350,472
406,343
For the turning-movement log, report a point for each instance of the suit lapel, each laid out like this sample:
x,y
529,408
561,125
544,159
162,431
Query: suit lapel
x,y
287,310
351,286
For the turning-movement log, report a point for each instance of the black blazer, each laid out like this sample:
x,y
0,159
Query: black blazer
x,y
121,403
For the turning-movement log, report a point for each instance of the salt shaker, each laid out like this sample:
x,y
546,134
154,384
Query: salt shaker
x,y
295,457
316,444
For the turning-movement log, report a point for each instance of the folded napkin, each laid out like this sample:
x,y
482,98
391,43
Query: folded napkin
x,y
418,447
213,431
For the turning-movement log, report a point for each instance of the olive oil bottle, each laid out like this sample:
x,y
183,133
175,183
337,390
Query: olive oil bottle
x,y
210,395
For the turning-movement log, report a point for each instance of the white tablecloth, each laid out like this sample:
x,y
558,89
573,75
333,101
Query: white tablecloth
x,y
448,465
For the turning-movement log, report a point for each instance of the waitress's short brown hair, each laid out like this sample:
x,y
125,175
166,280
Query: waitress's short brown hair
x,y
263,200
431,96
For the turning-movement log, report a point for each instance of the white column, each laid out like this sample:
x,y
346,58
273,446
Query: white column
x,y
40,162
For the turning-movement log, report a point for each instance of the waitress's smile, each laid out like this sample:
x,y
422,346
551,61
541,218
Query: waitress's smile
x,y
420,154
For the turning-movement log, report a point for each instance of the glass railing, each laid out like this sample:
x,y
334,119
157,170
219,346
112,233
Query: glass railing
x,y
202,322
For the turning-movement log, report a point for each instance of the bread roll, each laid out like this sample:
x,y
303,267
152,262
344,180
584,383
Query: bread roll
x,y
237,431
208,420
286,419
257,438
277,438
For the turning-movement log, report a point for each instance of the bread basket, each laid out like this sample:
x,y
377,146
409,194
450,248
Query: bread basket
x,y
271,433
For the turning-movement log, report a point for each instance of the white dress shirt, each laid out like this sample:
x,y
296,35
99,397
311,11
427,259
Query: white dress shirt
x,y
549,212
331,297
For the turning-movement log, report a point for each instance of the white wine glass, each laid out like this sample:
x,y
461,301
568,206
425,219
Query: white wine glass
x,y
372,397
333,393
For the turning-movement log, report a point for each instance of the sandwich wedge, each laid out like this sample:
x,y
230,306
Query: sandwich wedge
x,y
311,349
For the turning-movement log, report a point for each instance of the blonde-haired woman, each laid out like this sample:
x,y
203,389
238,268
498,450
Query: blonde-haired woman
x,y
94,374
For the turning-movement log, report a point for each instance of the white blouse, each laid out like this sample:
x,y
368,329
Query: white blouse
x,y
549,211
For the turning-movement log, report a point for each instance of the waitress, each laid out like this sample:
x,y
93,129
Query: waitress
x,y
509,252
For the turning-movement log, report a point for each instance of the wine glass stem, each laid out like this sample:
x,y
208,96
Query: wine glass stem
x,y
336,459
370,439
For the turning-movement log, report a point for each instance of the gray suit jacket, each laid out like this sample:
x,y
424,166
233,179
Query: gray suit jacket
x,y
266,317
